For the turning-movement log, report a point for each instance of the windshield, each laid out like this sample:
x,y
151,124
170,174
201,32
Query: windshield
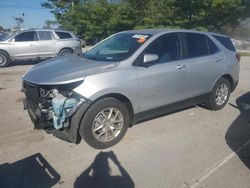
x,y
6,37
116,48
3,37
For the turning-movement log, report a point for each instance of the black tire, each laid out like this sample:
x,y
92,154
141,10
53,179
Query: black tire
x,y
87,122
65,52
211,103
4,59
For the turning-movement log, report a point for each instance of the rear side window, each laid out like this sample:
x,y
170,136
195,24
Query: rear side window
x,y
44,35
212,48
26,36
63,35
227,43
199,45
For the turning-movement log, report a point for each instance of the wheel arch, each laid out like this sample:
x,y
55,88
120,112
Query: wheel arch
x,y
1,50
73,132
65,48
121,98
230,79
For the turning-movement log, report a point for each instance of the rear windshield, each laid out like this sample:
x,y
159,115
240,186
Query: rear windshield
x,y
63,35
227,43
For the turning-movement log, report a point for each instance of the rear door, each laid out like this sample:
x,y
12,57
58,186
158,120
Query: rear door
x,y
24,45
47,44
205,63
164,81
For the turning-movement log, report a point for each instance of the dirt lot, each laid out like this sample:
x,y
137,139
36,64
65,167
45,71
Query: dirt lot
x,y
190,148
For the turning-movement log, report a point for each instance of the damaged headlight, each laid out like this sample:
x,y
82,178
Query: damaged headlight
x,y
63,107
59,103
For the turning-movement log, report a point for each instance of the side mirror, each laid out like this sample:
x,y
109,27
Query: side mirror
x,y
150,58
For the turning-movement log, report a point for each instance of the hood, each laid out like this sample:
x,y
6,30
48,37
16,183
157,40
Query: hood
x,y
4,42
64,70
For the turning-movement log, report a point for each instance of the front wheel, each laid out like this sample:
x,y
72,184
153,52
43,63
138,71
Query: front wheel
x,y
105,123
220,94
4,59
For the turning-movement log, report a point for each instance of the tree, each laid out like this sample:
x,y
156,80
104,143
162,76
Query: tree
x,y
49,24
100,18
19,21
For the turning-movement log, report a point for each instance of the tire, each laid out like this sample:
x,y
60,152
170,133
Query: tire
x,y
97,130
4,59
65,52
220,94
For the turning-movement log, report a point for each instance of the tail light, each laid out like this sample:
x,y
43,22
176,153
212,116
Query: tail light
x,y
238,57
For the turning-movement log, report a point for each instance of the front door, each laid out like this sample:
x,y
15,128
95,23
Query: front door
x,y
25,45
164,81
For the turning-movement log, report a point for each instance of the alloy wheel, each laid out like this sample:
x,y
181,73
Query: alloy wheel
x,y
221,94
3,59
107,124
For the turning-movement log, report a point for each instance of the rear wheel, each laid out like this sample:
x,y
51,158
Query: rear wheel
x,y
105,123
65,52
4,59
219,95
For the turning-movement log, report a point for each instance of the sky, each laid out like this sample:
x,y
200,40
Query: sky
x,y
34,15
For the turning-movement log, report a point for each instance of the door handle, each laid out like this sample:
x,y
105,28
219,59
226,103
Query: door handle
x,y
218,59
181,66
32,45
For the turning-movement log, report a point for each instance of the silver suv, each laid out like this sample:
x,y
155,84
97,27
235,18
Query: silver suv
x,y
38,44
127,78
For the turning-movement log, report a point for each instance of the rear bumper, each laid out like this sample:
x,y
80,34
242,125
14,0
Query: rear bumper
x,y
78,50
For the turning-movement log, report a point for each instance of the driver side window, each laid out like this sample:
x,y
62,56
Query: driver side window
x,y
167,47
26,37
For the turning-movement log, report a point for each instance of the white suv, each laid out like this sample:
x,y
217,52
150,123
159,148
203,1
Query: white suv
x,y
38,44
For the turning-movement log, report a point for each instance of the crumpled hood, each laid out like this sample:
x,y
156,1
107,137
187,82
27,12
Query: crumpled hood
x,y
63,70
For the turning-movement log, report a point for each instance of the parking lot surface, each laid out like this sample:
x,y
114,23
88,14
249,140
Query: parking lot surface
x,y
194,147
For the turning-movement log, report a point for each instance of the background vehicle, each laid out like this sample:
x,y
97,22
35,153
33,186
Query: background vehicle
x,y
38,44
3,36
127,78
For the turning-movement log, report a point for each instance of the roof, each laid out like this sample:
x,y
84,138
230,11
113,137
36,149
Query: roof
x,y
158,31
37,29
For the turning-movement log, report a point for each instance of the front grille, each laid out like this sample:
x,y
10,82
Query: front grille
x,y
32,95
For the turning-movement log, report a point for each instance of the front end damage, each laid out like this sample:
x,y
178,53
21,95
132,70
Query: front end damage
x,y
54,109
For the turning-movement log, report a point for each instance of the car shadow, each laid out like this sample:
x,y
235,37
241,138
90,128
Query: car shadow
x,y
25,62
238,134
33,171
99,174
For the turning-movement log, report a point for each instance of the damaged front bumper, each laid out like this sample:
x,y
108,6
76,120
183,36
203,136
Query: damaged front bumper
x,y
53,109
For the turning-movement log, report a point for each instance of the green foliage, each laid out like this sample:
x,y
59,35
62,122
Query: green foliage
x,y
96,19
49,24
